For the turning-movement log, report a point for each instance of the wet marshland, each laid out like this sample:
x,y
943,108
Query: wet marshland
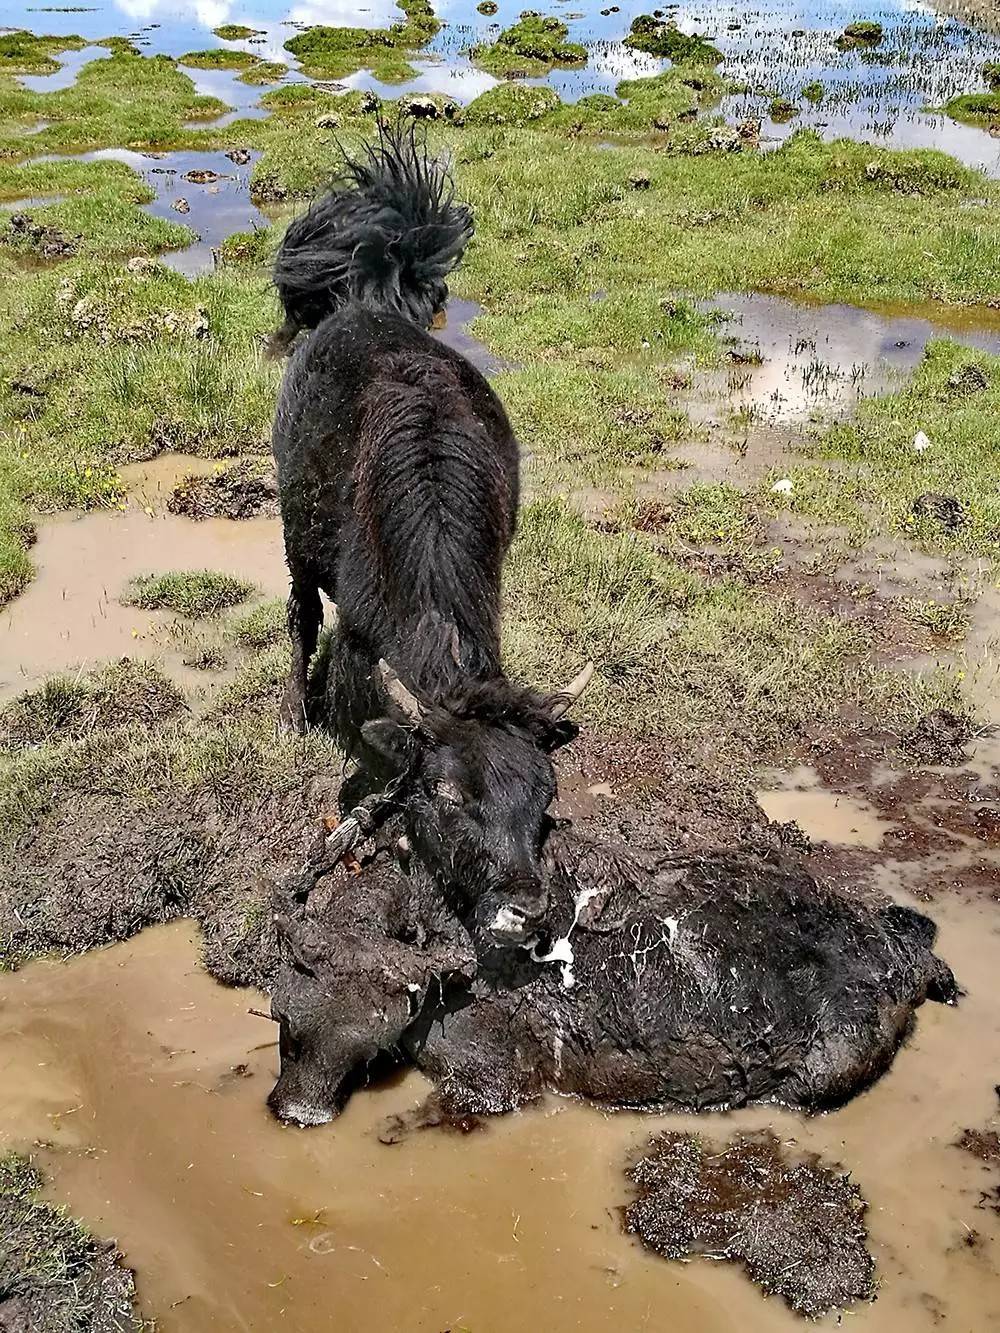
x,y
140,1082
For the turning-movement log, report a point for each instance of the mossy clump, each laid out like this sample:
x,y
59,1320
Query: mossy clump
x,y
782,110
264,71
325,51
22,52
658,38
813,92
72,707
991,73
54,1276
532,44
236,32
863,34
975,108
511,104
487,7
219,58
192,593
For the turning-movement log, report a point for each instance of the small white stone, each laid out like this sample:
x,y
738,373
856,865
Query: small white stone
x,y
783,487
921,442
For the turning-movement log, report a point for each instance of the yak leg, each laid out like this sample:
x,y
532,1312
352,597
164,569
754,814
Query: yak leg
x,y
305,615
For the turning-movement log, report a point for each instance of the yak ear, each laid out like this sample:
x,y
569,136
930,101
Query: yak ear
x,y
390,740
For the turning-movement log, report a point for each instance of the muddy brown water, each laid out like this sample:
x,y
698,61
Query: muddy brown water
x,y
841,820
70,616
144,1082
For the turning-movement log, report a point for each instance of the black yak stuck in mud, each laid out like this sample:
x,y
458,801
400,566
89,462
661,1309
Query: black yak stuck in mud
x,y
663,980
398,477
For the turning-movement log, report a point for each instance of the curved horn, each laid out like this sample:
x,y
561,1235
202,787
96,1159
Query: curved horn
x,y
566,698
407,703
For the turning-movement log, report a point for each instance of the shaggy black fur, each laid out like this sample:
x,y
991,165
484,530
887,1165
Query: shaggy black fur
x,y
387,236
398,475
671,980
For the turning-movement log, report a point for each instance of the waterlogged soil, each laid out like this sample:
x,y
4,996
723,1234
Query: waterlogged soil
x,y
881,94
794,360
206,191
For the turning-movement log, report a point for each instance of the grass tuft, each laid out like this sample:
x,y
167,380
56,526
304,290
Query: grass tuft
x,y
195,593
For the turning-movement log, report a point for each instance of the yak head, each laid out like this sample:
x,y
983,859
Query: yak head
x,y
479,780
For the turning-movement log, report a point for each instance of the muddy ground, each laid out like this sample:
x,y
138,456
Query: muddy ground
x,y
795,651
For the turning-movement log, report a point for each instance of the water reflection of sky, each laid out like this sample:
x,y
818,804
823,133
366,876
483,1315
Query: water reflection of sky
x,y
774,50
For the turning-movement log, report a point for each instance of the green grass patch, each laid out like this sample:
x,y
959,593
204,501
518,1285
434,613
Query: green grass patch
x,y
22,52
530,46
975,108
219,58
328,52
264,71
102,366
586,424
236,32
193,593
954,399
716,666
98,207
72,707
127,101
264,626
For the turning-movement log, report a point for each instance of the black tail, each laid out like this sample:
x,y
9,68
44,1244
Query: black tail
x,y
387,234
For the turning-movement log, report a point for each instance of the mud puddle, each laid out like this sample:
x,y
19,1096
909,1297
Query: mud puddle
x,y
796,361
821,814
456,334
70,616
145,1082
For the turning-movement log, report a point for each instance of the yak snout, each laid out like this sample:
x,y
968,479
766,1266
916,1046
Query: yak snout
x,y
513,914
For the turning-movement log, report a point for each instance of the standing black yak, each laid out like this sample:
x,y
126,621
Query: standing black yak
x,y
398,473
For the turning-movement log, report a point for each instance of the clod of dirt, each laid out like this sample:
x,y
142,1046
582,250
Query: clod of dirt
x,y
939,737
243,491
181,206
239,156
429,106
48,242
639,181
982,1143
943,509
142,265
797,1226
202,176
